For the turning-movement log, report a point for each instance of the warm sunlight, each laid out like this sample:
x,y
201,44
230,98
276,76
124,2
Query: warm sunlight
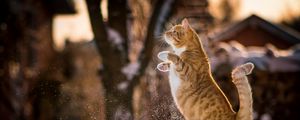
x,y
77,28
149,59
273,10
73,27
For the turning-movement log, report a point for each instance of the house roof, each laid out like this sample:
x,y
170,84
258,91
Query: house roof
x,y
280,31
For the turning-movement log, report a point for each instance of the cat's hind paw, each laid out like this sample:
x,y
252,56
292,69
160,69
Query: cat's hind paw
x,y
163,66
163,55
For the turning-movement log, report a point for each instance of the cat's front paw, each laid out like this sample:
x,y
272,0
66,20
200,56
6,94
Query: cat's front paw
x,y
163,66
163,55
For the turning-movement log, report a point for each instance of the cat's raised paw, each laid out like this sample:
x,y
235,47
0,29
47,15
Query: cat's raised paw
x,y
163,55
163,66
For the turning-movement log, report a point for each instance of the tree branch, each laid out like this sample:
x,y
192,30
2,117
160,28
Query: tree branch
x,y
111,58
159,16
117,19
99,30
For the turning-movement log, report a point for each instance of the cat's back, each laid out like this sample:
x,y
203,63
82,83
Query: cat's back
x,y
203,102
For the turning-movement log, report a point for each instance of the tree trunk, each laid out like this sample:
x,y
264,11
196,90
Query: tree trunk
x,y
117,19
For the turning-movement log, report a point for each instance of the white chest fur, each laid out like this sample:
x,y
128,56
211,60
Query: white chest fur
x,y
174,79
178,51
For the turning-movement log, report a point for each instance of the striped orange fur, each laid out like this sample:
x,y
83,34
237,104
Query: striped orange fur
x,y
195,92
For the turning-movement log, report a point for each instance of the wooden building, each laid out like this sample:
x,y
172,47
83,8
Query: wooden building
x,y
255,31
275,78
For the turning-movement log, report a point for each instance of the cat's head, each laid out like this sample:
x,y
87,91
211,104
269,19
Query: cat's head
x,y
179,35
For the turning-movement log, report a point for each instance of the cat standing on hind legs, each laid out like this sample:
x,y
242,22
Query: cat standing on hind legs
x,y
195,92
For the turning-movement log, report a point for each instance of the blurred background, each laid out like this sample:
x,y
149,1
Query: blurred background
x,y
96,59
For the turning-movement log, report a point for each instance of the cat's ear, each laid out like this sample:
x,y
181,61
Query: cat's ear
x,y
185,23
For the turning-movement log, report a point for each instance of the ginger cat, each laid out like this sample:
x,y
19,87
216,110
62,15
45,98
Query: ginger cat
x,y
195,92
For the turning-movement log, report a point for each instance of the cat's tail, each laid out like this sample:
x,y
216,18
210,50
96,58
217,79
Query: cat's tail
x,y
240,80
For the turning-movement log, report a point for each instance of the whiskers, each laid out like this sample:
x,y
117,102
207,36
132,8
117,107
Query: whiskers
x,y
160,45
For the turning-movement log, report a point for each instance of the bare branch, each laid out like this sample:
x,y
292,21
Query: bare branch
x,y
117,19
111,58
98,27
105,47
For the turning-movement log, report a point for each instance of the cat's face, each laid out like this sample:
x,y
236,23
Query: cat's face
x,y
178,35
